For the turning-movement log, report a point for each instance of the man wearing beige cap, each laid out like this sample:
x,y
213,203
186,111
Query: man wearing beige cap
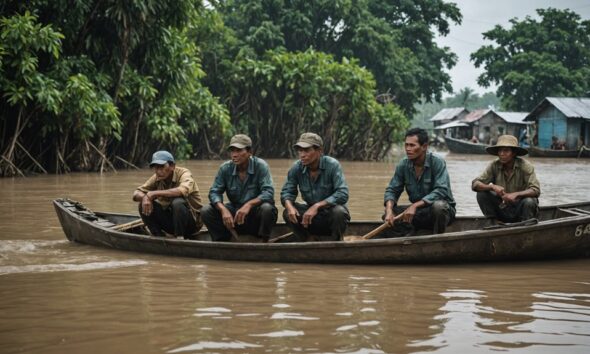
x,y
322,185
247,182
508,188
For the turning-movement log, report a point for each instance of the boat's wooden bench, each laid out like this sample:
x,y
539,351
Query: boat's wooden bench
x,y
571,212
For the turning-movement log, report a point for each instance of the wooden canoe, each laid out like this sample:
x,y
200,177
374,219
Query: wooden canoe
x,y
563,231
459,146
535,151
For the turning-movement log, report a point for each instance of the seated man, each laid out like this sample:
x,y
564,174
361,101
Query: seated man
x,y
169,200
247,181
426,181
323,188
508,188
557,144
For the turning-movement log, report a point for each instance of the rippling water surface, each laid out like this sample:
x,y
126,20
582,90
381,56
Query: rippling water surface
x,y
59,297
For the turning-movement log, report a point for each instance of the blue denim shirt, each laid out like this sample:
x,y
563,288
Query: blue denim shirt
x,y
258,183
433,185
329,185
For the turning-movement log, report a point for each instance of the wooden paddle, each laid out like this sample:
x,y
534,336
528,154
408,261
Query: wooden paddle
x,y
367,236
234,234
129,225
373,233
275,239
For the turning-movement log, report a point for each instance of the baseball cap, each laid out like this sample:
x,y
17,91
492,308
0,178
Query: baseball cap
x,y
240,141
309,139
161,158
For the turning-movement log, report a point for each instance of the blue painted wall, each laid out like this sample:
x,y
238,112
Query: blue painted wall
x,y
551,123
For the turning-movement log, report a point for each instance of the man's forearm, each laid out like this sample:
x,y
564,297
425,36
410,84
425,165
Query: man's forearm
x,y
166,193
528,193
138,195
482,187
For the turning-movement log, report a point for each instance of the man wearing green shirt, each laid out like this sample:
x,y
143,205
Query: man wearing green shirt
x,y
426,181
508,189
322,185
247,181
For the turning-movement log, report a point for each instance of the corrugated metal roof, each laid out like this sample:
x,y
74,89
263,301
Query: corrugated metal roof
x,y
513,117
452,124
448,113
571,107
475,115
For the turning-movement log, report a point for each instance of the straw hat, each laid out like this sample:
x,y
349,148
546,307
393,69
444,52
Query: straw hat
x,y
507,141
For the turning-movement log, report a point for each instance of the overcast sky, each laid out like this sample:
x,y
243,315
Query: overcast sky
x,y
482,15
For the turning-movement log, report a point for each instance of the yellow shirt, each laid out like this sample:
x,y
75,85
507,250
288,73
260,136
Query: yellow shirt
x,y
183,180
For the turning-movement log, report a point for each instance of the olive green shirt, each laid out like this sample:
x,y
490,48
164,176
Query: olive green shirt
x,y
183,180
523,176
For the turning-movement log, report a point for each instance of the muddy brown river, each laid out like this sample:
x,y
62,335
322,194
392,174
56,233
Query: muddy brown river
x,y
59,297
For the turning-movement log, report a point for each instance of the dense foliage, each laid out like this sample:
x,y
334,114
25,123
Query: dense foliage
x,y
535,59
100,84
393,39
89,84
284,94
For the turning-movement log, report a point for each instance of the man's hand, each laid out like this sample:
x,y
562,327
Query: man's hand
x,y
510,198
408,214
147,206
499,190
242,213
309,215
228,219
389,217
292,213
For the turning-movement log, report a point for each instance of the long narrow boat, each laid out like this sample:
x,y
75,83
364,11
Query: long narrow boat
x,y
562,231
535,151
459,146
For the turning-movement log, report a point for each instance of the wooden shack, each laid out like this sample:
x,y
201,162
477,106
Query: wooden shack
x,y
447,115
488,125
566,118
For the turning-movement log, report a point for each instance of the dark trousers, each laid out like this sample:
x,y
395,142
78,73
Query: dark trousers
x,y
176,219
259,221
435,217
329,224
492,207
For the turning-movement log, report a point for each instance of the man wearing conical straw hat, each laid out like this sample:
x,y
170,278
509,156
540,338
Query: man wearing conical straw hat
x,y
508,188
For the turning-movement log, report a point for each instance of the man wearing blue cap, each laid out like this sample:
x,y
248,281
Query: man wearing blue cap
x,y
247,181
169,200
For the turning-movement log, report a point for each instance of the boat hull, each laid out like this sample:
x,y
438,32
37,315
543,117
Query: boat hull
x,y
557,237
535,151
458,146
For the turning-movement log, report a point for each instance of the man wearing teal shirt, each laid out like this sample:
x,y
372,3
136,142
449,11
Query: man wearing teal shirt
x,y
426,180
324,190
247,181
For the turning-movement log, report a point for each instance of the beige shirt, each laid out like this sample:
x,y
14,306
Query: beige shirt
x,y
522,178
183,180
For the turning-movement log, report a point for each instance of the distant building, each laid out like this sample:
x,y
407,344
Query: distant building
x,y
490,124
566,118
447,115
486,125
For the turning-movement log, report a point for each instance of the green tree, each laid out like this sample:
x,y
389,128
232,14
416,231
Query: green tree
x,y
283,94
535,59
91,84
393,39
